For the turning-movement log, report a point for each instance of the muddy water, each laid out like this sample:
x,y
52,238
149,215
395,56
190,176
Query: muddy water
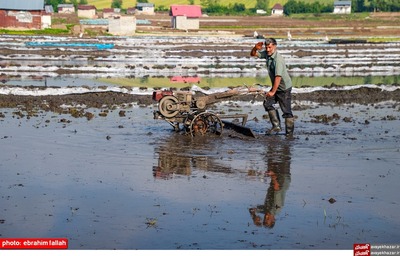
x,y
130,182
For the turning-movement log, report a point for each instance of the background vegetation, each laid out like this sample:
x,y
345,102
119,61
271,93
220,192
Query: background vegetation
x,y
100,4
245,7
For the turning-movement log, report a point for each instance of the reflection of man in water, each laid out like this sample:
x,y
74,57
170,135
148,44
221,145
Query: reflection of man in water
x,y
278,160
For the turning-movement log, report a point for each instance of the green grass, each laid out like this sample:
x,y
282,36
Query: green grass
x,y
152,82
101,4
47,31
163,82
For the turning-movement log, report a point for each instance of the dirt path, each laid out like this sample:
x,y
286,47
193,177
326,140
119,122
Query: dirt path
x,y
375,25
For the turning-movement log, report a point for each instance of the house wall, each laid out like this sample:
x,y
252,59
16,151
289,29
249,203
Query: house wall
x,y
145,8
277,12
21,19
107,15
182,22
122,26
66,10
90,14
342,9
146,11
46,21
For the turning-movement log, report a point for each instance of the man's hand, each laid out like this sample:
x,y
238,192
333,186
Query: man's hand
x,y
256,48
270,94
259,45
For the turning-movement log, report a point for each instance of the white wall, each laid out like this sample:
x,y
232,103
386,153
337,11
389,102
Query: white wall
x,y
46,21
122,26
182,22
342,9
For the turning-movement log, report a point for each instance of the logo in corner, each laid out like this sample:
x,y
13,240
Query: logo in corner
x,y
362,249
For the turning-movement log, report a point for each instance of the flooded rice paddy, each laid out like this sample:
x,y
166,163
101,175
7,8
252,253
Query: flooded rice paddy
x,y
122,180
132,183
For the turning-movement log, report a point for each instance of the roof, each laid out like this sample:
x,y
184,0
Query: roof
x,y
347,3
277,7
190,11
22,5
144,5
105,10
130,10
86,7
65,6
48,9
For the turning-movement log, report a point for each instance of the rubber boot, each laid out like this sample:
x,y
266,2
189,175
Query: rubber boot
x,y
289,123
275,121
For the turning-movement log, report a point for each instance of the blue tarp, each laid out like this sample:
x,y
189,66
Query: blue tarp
x,y
143,22
61,44
97,22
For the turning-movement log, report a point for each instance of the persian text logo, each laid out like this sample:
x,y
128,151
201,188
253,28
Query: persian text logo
x,y
362,249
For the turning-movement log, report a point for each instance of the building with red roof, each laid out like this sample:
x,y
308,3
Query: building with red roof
x,y
185,16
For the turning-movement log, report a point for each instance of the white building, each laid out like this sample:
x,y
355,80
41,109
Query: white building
x,y
145,8
87,11
66,8
185,17
342,7
277,10
24,14
111,12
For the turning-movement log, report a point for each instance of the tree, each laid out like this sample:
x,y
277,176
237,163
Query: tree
x,y
76,2
54,3
262,4
395,5
386,6
380,5
162,8
372,5
291,7
358,5
203,3
209,3
238,7
116,4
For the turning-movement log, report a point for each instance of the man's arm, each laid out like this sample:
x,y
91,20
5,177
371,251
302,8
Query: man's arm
x,y
275,86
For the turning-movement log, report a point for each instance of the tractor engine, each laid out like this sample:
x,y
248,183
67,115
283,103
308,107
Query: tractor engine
x,y
172,104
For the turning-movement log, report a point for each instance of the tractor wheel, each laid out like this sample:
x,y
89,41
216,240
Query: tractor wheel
x,y
205,123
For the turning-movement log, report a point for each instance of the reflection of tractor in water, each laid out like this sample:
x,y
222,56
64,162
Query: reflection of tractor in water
x,y
184,108
186,156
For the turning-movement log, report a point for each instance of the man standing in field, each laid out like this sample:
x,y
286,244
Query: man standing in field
x,y
281,91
